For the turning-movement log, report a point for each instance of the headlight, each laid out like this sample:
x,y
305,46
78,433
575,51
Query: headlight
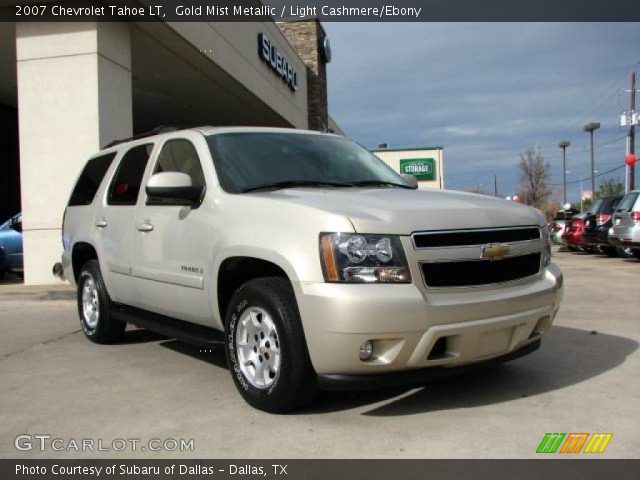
x,y
354,258
546,246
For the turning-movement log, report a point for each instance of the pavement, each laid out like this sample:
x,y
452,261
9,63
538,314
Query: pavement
x,y
584,378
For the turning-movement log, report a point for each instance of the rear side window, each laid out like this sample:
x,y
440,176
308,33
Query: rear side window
x,y
610,205
627,202
89,181
126,183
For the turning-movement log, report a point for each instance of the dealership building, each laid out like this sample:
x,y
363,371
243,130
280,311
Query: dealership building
x,y
66,89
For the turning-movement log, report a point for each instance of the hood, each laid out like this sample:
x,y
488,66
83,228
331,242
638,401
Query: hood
x,y
402,211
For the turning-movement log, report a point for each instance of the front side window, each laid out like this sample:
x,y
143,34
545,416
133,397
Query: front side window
x,y
126,184
181,156
90,179
178,156
246,161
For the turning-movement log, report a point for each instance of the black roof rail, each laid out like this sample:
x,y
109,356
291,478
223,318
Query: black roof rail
x,y
154,131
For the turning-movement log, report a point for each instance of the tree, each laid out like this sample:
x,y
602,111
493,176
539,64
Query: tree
x,y
534,178
610,187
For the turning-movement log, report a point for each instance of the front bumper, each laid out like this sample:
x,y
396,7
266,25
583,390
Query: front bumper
x,y
413,328
414,378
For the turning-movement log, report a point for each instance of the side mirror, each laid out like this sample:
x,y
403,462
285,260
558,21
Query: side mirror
x,y
410,180
173,188
17,225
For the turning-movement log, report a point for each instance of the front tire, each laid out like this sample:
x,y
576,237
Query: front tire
x,y
266,348
94,306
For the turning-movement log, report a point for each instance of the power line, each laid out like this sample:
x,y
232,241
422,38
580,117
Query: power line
x,y
576,121
586,149
589,178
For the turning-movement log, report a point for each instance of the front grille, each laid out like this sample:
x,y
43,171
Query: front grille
x,y
474,237
480,272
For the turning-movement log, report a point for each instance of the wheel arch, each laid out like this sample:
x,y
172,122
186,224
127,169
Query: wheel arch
x,y
81,253
236,270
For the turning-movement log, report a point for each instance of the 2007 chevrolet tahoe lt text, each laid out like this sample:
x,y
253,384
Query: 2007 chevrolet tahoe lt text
x,y
312,261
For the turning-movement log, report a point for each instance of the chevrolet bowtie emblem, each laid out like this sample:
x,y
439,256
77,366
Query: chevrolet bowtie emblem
x,y
495,251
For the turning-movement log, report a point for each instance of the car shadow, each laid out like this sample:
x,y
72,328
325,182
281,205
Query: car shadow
x,y
140,335
567,356
214,356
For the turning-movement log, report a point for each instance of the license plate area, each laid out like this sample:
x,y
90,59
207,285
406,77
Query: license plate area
x,y
494,342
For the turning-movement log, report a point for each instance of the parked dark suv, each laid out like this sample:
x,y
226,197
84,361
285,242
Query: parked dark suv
x,y
598,222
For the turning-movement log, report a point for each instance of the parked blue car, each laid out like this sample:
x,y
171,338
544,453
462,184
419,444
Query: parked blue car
x,y
11,246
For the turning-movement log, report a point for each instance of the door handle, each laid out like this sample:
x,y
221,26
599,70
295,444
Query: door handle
x,y
145,227
102,223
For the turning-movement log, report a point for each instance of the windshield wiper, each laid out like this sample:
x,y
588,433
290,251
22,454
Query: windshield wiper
x,y
295,183
366,183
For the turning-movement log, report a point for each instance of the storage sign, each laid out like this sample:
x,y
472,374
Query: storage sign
x,y
421,168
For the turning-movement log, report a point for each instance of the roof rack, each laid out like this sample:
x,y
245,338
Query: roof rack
x,y
155,131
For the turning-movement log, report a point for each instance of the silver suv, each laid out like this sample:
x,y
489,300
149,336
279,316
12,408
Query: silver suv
x,y
307,257
625,231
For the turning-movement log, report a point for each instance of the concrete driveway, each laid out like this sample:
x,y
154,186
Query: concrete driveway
x,y
583,379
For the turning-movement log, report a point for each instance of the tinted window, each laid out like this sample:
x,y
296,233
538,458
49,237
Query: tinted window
x,y
610,204
626,204
594,208
126,184
89,181
180,156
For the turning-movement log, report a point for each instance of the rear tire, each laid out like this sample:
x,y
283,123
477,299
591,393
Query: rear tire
x,y
624,252
609,251
266,348
94,306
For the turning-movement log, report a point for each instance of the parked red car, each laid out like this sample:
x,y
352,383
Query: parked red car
x,y
572,235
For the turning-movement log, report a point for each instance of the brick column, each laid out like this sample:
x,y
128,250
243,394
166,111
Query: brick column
x,y
305,37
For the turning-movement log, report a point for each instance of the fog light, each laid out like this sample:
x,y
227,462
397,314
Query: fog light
x,y
366,350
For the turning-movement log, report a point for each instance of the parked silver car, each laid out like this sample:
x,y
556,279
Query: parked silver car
x,y
625,231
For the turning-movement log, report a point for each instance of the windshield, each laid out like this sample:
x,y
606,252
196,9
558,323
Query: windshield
x,y
247,161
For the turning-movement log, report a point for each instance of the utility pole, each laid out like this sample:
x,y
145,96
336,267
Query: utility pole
x,y
631,171
563,145
591,127
495,185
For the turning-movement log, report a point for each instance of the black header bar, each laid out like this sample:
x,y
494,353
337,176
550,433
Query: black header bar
x,y
325,10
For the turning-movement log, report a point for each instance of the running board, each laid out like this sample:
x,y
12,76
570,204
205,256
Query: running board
x,y
187,332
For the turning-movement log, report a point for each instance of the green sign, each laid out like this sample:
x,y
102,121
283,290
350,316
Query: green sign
x,y
421,168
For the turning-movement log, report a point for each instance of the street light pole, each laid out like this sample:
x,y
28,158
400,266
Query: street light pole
x,y
563,145
591,127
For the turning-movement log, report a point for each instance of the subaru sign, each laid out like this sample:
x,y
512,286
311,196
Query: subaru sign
x,y
277,61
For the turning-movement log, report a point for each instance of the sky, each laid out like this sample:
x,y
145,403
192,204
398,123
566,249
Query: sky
x,y
486,92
